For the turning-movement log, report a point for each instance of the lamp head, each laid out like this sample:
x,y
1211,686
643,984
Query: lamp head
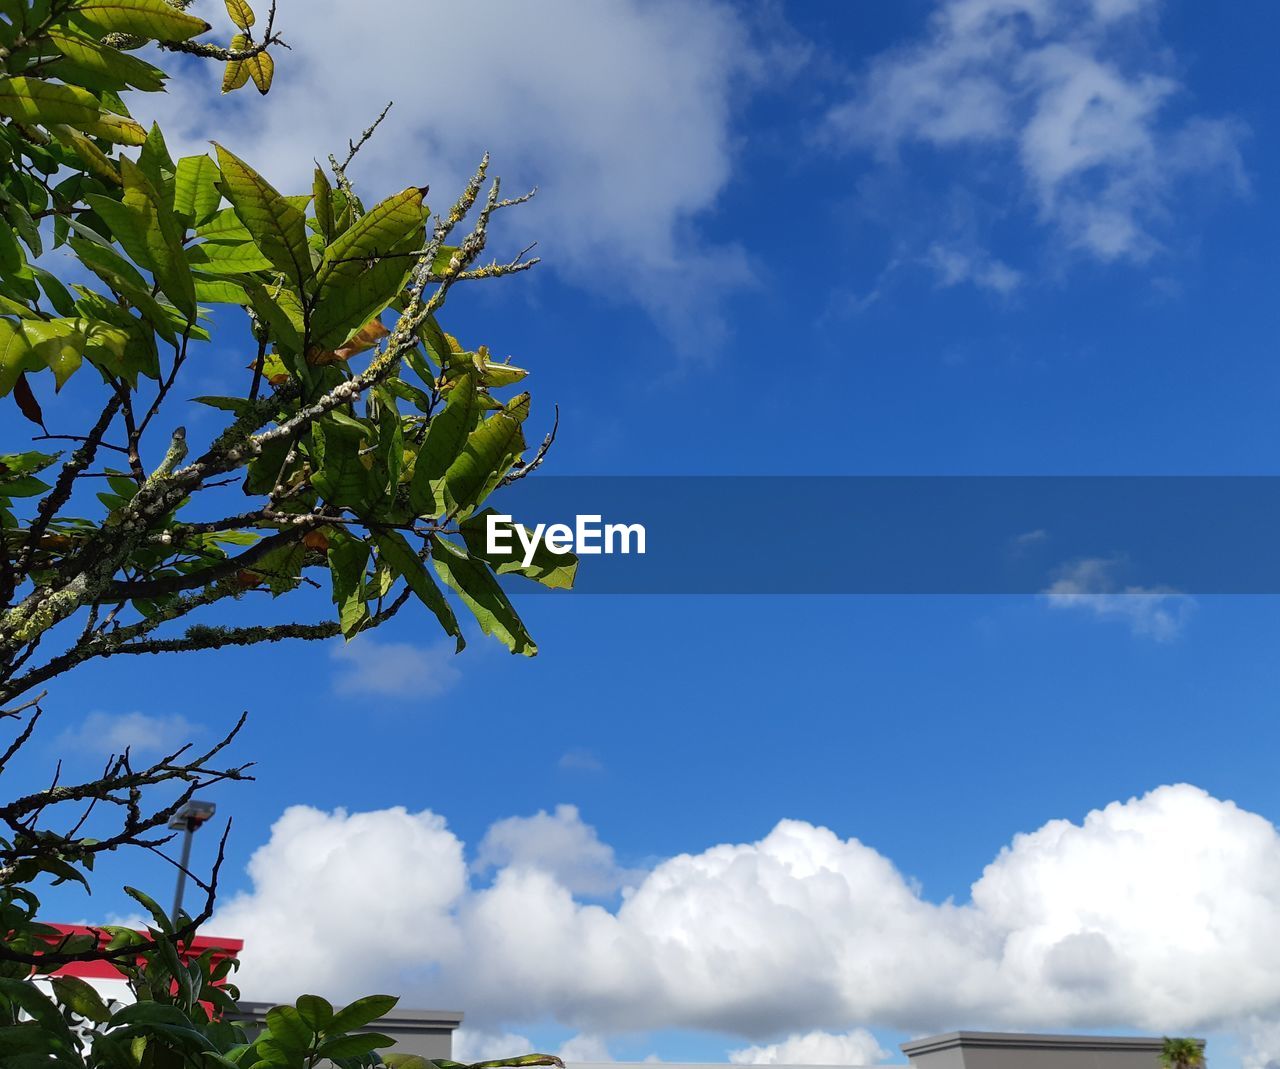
x,y
192,815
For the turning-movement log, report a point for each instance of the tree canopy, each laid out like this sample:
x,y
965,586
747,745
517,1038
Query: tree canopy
x,y
357,453
364,441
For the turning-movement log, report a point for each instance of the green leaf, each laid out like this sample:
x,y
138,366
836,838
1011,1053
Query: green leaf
x,y
149,904
32,100
124,279
322,196
23,486
226,404
109,63
220,291
224,226
354,1046
477,586
195,192
278,228
288,1029
366,267
162,236
281,311
37,1004
152,19
260,477
394,551
14,464
555,570
361,1012
155,162
125,226
64,304
341,476
16,356
225,258
348,559
281,568
81,998
446,437
315,1011
490,451
59,344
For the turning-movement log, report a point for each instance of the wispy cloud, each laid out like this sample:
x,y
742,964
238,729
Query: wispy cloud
x,y
580,760
1090,586
620,111
955,266
1072,96
112,733
395,669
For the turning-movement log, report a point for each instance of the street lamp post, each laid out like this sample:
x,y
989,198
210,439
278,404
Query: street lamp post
x,y
187,820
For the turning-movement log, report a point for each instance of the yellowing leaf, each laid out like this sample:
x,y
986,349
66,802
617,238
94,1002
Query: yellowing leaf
x,y
106,62
32,100
237,71
361,341
262,69
152,19
94,158
241,13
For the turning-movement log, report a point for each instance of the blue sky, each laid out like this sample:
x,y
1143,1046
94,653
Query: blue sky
x,y
968,237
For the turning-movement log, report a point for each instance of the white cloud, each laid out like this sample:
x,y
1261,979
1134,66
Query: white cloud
x,y
1065,90
858,1047
112,733
1161,913
559,844
954,266
380,890
585,1047
580,760
470,1045
618,110
395,669
1090,586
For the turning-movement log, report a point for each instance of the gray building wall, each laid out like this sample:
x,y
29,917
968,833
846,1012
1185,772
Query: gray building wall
x,y
1017,1050
427,1033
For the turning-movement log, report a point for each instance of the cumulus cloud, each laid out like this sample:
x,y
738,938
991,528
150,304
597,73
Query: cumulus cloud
x,y
112,733
559,844
1069,93
858,1047
1090,586
585,1047
618,110
1160,913
380,890
395,669
472,1045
